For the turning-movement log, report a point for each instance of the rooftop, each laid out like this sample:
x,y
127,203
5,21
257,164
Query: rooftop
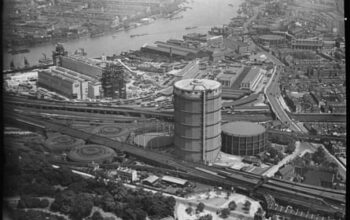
x,y
271,37
253,72
174,180
197,84
243,128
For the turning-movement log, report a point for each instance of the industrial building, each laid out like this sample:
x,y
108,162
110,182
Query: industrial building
x,y
271,39
229,76
82,65
251,80
215,41
93,79
69,83
174,180
307,44
127,174
243,138
197,117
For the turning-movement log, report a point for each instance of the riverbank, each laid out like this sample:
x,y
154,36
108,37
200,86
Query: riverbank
x,y
201,13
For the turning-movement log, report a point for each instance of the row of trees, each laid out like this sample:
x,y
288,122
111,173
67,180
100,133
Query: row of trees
x,y
34,177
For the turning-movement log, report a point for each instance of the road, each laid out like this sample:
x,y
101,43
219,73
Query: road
x,y
273,94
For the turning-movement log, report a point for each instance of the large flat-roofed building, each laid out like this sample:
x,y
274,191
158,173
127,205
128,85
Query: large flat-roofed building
x,y
271,39
307,44
215,41
69,83
252,79
82,65
174,180
229,76
168,52
127,174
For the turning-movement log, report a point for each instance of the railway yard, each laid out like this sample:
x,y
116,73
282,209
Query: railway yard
x,y
326,201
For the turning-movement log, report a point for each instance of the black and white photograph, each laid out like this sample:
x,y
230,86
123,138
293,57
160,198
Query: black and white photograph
x,y
174,109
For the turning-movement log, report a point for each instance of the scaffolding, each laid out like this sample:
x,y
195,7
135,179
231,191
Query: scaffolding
x,y
57,53
113,83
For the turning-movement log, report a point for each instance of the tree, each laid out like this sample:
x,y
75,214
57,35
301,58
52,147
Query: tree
x,y
96,216
232,205
206,217
83,204
319,155
108,202
247,205
189,210
290,147
200,207
225,213
259,214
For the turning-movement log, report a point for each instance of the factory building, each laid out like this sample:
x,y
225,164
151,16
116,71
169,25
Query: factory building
x,y
63,83
215,41
174,180
229,76
197,117
127,174
271,39
307,44
243,138
82,65
251,80
69,83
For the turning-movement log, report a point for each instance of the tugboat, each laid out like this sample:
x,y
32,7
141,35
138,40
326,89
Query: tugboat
x,y
26,63
12,65
17,51
45,60
138,35
80,52
190,27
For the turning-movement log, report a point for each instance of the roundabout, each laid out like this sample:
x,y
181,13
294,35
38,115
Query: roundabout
x,y
90,153
62,142
110,131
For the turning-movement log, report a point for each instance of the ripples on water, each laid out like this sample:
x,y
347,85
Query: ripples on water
x,y
204,14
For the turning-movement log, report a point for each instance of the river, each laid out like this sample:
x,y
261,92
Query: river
x,y
203,13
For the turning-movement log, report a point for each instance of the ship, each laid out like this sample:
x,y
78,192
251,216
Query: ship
x,y
138,35
178,17
26,63
96,34
45,60
80,52
12,65
190,27
18,51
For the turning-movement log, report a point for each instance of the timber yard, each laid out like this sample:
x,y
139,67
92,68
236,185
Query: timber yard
x,y
244,121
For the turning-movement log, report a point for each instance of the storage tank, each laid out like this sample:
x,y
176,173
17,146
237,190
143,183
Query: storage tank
x,y
243,138
197,116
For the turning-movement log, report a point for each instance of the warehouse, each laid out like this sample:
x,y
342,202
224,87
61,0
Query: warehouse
x,y
174,180
252,79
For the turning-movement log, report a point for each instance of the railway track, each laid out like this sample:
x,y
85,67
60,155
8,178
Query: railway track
x,y
209,174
